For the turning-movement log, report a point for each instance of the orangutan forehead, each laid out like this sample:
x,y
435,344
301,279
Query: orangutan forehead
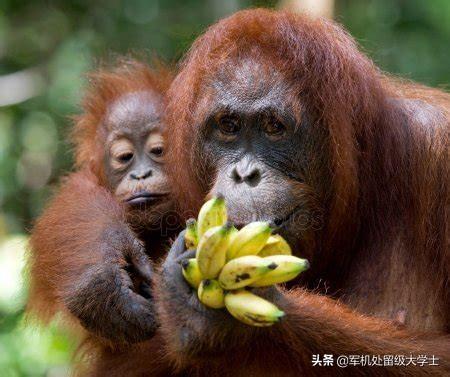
x,y
134,111
250,85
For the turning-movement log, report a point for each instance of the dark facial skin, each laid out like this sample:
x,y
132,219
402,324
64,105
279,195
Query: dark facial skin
x,y
261,142
134,151
259,145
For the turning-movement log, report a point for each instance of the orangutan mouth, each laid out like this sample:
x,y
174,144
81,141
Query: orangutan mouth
x,y
145,197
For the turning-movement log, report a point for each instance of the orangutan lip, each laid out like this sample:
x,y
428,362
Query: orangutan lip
x,y
143,197
282,221
277,223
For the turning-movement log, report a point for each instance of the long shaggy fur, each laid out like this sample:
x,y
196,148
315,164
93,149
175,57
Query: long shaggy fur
x,y
68,239
385,241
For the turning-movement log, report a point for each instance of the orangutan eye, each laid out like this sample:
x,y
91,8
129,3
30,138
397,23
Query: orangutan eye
x,y
122,152
228,126
125,157
155,146
157,151
274,128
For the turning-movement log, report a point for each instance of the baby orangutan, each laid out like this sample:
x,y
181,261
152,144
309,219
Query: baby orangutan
x,y
91,249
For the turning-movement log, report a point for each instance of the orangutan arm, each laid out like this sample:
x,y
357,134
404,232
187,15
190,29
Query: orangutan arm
x,y
82,257
204,339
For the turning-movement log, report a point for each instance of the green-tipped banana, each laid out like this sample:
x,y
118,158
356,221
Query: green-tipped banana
x,y
212,250
251,309
249,240
276,245
191,235
233,233
211,294
191,272
243,271
288,268
213,213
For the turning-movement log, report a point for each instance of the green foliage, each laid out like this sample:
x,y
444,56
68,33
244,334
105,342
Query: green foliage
x,y
406,38
29,351
48,46
25,350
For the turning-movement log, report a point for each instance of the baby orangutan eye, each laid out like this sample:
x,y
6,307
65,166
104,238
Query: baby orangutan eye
x,y
125,157
155,146
122,152
157,151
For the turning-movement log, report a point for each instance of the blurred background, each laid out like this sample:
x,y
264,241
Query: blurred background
x,y
47,47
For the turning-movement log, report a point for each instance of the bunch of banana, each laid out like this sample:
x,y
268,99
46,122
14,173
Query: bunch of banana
x,y
228,262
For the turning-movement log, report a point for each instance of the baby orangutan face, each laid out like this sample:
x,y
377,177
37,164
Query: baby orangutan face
x,y
134,151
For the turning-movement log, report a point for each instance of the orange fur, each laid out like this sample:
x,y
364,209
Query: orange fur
x,y
104,87
68,238
384,246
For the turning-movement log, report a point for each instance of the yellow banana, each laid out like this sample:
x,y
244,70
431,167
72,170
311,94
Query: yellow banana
x,y
211,294
288,268
273,239
251,309
191,236
191,272
249,240
213,213
233,233
243,271
276,245
212,249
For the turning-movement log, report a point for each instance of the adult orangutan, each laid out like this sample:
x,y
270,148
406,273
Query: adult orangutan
x,y
91,250
286,118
